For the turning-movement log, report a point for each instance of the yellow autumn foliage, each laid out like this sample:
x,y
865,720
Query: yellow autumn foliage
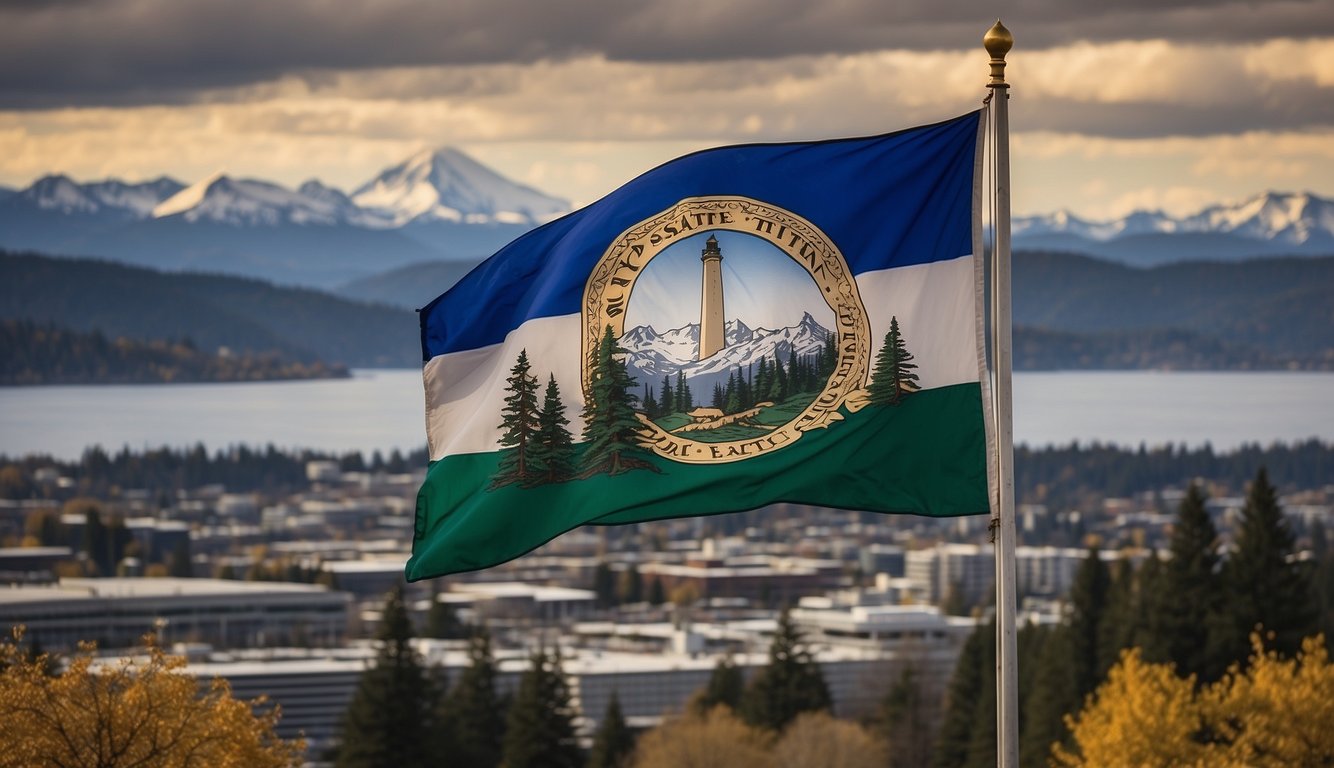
x,y
717,739
147,712
1276,712
720,739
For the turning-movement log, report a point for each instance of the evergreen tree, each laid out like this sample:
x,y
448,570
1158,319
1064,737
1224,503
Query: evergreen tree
x,y
668,404
540,729
649,404
553,447
519,425
613,742
389,722
1266,586
719,396
1120,622
778,390
970,713
733,402
905,721
763,380
1088,602
442,621
828,357
794,383
474,715
604,585
179,564
893,376
685,402
725,687
790,684
1186,605
1046,691
96,542
611,428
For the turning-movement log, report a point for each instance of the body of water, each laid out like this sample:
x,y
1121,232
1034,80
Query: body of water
x,y
383,410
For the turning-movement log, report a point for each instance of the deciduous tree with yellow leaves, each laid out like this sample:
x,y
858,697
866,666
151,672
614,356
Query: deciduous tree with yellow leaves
x,y
143,712
1275,712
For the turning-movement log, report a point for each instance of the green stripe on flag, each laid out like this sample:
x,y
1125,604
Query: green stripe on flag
x,y
925,456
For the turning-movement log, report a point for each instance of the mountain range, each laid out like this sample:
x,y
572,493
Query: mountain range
x,y
442,206
653,355
433,206
1294,224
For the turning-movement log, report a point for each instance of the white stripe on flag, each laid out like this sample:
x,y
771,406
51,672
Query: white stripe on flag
x,y
465,391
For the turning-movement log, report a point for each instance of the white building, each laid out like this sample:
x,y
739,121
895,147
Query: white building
x,y
116,613
967,567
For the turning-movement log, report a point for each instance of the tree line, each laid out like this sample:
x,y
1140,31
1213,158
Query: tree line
x,y
46,354
1195,613
163,471
405,714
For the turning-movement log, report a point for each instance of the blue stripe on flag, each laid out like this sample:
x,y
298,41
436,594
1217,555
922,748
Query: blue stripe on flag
x,y
886,201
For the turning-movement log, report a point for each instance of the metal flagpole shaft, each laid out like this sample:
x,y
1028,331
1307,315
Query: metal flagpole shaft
x,y
998,42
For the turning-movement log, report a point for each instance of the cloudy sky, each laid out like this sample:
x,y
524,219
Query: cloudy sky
x,y
1117,104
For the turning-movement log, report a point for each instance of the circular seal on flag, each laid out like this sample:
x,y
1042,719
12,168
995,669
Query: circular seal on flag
x,y
735,327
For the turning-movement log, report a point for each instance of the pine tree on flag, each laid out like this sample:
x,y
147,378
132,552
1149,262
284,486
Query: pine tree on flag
x,y
667,403
519,422
553,450
893,376
611,426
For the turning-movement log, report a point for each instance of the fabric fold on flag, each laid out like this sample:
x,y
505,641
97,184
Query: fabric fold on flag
x,y
739,327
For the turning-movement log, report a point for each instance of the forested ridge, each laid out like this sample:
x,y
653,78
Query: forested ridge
x,y
46,354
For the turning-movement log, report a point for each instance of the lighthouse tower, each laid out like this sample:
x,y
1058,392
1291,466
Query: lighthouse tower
x,y
711,322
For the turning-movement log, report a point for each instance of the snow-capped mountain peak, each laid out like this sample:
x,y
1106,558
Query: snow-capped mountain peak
x,y
61,194
58,192
652,355
1285,217
447,185
249,202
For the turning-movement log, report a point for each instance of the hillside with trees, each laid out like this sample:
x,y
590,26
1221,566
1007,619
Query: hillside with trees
x,y
1262,313
241,314
45,354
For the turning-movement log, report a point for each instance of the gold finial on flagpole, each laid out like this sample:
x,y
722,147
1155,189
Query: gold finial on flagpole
x,y
998,41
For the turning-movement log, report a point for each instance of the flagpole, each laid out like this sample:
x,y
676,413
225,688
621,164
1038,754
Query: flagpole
x,y
998,42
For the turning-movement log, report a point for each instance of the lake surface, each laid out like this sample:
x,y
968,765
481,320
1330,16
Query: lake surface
x,y
383,410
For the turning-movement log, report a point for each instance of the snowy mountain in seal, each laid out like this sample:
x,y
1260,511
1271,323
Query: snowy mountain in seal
x,y
447,185
652,355
1292,218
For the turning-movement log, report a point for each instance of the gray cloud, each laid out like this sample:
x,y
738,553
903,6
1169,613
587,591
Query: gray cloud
x,y
78,52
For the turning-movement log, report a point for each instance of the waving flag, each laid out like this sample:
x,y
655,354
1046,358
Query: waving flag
x,y
738,327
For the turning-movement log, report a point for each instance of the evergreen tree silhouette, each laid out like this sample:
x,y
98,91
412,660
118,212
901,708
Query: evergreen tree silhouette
x,y
1186,607
613,741
389,720
553,447
611,426
473,714
893,375
666,402
685,401
519,422
1265,585
726,686
649,404
540,730
792,682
